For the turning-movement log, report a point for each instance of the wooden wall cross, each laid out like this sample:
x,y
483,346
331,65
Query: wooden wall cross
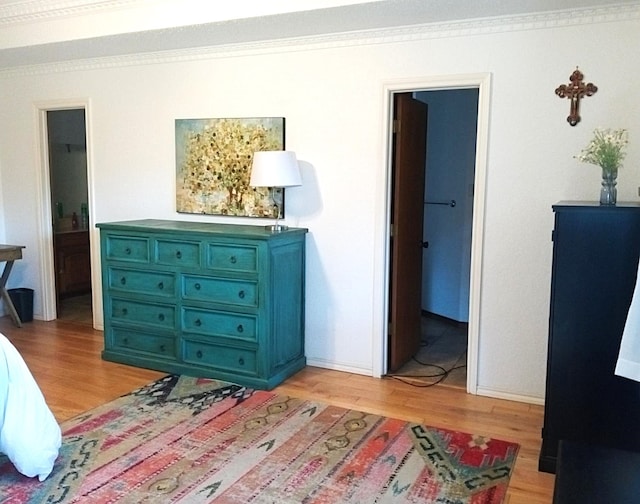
x,y
575,91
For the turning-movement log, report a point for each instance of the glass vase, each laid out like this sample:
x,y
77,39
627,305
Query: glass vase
x,y
608,191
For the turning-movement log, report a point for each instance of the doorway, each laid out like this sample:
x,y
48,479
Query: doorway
x,y
436,231
65,213
480,86
67,144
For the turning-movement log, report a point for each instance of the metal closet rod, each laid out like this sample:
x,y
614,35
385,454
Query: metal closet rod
x,y
451,203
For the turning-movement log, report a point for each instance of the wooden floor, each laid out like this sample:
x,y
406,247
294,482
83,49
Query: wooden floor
x,y
65,360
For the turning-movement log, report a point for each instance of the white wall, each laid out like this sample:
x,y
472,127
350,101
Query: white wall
x,y
332,97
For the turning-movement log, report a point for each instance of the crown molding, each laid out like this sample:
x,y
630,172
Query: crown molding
x,y
34,11
484,26
29,11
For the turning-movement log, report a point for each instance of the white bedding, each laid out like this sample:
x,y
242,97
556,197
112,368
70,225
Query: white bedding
x,y
29,433
628,364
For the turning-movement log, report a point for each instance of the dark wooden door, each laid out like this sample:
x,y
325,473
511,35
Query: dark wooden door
x,y
407,208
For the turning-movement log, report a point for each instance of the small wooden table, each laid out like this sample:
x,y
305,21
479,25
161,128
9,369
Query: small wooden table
x,y
9,253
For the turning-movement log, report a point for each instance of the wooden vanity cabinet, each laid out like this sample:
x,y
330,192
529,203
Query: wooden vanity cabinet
x,y
72,263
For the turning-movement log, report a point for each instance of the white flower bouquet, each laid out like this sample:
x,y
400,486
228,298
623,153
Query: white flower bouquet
x,y
606,149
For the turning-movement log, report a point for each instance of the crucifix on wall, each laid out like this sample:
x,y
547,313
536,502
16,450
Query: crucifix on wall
x,y
575,90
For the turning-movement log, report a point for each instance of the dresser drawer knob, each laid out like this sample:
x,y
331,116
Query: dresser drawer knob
x,y
198,323
163,348
240,329
125,312
241,361
197,286
199,354
123,281
127,251
178,254
233,260
161,285
125,341
161,317
241,294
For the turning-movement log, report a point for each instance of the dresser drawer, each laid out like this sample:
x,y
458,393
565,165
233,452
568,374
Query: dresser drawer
x,y
178,253
227,358
127,248
137,341
232,258
125,310
220,290
144,282
228,325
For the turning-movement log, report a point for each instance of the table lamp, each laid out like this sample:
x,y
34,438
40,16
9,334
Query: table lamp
x,y
275,170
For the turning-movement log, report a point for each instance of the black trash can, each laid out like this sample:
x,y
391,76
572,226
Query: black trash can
x,y
22,299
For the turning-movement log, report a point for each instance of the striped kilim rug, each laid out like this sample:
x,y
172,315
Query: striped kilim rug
x,y
191,440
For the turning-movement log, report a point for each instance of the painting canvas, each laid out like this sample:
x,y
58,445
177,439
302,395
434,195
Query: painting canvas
x,y
213,165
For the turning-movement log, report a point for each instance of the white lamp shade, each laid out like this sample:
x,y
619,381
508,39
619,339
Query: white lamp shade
x,y
275,169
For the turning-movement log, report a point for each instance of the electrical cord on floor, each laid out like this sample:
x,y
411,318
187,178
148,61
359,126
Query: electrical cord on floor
x,y
441,375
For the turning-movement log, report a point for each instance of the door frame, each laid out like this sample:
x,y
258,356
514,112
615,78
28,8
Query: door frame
x,y
45,238
382,252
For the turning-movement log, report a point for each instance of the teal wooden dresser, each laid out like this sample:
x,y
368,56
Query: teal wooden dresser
x,y
213,300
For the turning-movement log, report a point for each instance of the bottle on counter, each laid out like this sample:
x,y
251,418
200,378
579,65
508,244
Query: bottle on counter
x,y
84,215
74,221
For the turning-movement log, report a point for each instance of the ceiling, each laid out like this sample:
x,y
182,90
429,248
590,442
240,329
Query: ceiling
x,y
25,24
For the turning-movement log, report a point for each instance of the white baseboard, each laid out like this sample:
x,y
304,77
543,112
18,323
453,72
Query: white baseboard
x,y
340,367
499,394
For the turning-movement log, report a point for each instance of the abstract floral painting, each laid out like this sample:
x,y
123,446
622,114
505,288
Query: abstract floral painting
x,y
213,165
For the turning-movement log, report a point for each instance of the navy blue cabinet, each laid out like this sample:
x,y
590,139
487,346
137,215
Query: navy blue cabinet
x,y
595,261
214,300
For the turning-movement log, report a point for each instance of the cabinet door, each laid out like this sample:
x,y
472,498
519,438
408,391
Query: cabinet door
x,y
595,258
73,264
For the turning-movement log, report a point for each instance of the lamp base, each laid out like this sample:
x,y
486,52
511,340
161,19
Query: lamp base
x,y
276,228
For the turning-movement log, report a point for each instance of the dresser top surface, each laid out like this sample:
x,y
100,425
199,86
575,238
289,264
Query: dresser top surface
x,y
595,204
170,226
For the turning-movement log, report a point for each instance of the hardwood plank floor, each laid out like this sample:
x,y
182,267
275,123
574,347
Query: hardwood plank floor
x,y
65,360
